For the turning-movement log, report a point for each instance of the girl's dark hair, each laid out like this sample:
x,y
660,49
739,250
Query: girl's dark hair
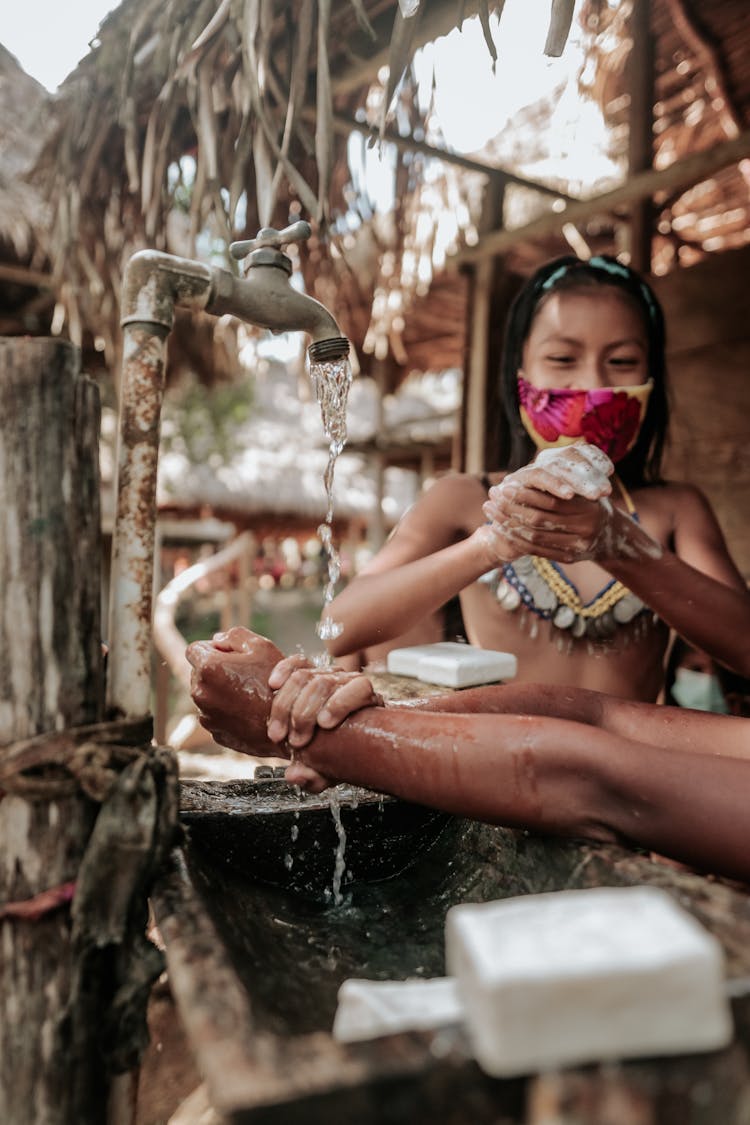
x,y
643,463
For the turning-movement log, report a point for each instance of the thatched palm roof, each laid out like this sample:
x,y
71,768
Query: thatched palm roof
x,y
200,120
23,105
24,110
701,98
193,122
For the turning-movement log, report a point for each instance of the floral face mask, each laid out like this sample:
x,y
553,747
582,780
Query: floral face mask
x,y
607,417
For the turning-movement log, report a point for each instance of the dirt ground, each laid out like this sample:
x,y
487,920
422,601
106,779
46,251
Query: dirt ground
x,y
168,1074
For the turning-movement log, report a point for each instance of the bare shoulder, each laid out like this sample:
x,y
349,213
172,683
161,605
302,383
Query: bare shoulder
x,y
676,502
448,510
453,499
674,498
691,528
454,488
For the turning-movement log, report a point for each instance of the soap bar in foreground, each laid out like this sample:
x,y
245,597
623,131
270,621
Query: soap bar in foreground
x,y
580,976
370,1008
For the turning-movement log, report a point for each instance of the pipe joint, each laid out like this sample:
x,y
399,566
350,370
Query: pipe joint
x,y
155,282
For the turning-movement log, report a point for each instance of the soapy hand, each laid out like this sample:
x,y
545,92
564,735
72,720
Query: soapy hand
x,y
557,507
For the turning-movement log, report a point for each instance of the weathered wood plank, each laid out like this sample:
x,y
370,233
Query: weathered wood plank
x,y
50,679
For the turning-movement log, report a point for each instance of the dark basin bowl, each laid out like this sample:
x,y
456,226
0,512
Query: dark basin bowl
x,y
258,945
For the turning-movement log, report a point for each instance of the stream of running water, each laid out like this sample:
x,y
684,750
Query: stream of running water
x,y
331,381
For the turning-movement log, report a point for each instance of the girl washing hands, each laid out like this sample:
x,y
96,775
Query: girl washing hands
x,y
578,556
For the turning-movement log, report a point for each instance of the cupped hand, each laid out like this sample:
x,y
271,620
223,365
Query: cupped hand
x,y
565,472
557,507
539,524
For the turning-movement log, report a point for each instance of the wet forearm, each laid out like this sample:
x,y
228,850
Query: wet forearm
x,y
547,700
550,776
377,607
507,769
671,728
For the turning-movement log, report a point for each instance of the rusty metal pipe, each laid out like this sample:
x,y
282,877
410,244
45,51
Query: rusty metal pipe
x,y
154,283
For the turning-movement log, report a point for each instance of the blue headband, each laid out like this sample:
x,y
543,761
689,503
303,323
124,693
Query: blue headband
x,y
616,269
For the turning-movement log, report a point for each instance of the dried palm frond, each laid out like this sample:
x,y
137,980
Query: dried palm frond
x,y
400,54
559,27
190,124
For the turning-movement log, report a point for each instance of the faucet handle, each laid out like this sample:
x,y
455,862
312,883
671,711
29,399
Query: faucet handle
x,y
268,238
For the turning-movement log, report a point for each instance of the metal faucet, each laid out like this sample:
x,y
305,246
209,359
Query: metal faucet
x,y
267,299
153,285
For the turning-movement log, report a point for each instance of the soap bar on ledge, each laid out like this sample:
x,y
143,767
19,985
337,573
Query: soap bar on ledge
x,y
370,1008
582,976
452,664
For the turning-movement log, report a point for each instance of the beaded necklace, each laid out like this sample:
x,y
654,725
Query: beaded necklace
x,y
542,591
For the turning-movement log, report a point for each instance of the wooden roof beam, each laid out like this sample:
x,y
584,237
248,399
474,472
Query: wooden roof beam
x,y
345,125
693,169
20,275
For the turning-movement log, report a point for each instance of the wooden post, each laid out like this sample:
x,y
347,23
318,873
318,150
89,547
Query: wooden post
x,y
244,578
382,371
640,139
50,679
474,407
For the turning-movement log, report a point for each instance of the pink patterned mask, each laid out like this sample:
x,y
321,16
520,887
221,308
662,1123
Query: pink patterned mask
x,y
608,417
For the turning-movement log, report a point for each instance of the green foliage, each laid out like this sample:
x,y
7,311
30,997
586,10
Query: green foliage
x,y
203,422
181,182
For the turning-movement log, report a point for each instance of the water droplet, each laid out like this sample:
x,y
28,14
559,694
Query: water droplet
x,y
328,630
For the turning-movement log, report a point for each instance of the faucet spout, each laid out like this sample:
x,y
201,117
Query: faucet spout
x,y
266,298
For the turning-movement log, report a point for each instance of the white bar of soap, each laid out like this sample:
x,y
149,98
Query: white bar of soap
x,y
452,664
579,976
370,1008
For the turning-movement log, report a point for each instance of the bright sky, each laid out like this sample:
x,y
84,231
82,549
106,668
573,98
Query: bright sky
x,y
49,38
